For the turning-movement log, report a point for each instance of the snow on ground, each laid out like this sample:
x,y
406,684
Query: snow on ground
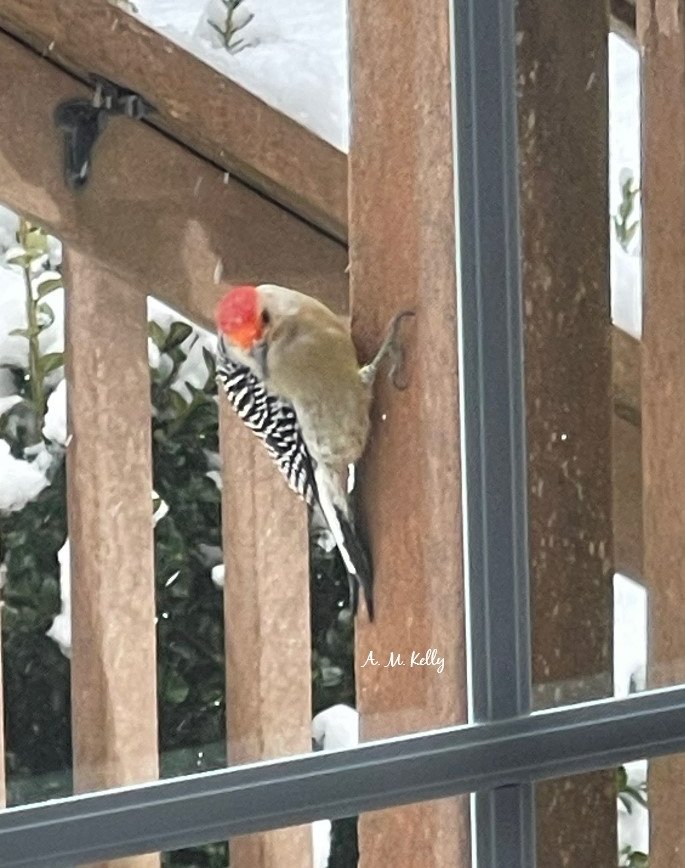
x,y
624,154
630,662
293,55
633,827
321,843
630,636
335,728
630,598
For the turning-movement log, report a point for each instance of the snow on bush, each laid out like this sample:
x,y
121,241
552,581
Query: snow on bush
x,y
292,53
55,425
60,630
21,481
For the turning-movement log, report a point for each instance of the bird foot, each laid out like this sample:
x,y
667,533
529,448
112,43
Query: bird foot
x,y
392,348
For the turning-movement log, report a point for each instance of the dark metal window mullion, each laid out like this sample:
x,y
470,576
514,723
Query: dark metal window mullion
x,y
504,756
493,407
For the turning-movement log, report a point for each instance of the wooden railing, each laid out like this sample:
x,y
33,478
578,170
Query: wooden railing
x,y
160,225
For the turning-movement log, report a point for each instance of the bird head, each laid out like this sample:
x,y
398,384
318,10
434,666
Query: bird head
x,y
241,317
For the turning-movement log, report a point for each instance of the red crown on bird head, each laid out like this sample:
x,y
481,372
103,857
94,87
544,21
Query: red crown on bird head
x,y
238,316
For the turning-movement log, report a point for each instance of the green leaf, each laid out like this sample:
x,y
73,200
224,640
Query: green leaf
x,y
630,232
21,333
36,242
22,259
625,801
51,362
176,688
178,404
48,286
178,332
636,795
156,333
45,309
210,363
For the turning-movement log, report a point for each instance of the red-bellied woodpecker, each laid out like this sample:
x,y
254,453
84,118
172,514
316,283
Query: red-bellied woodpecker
x,y
289,368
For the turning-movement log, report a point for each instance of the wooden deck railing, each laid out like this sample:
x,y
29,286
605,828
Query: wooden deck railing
x,y
159,224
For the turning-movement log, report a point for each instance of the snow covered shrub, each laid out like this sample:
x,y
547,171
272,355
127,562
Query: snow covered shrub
x,y
229,22
32,508
34,558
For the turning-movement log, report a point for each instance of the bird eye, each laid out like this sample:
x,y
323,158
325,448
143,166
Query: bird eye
x,y
266,317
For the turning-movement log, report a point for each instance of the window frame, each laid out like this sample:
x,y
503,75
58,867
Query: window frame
x,y
507,747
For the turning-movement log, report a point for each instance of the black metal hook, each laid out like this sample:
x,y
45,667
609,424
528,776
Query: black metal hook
x,y
82,122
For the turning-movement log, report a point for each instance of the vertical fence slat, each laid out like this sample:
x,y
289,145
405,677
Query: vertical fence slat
x,y
627,454
113,659
268,644
563,130
402,255
662,37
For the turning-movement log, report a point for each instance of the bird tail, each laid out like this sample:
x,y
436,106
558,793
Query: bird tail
x,y
352,549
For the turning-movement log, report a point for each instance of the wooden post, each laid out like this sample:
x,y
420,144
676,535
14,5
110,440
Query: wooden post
x,y
402,255
113,660
627,455
268,642
662,37
563,129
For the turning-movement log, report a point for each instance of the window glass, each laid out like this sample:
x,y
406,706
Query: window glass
x,y
378,835
626,816
591,496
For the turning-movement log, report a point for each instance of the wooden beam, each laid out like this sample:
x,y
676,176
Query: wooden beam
x,y
662,39
402,246
626,376
563,105
109,484
153,213
626,480
268,642
194,102
623,19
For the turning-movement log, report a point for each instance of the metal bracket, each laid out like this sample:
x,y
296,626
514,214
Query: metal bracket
x,y
82,122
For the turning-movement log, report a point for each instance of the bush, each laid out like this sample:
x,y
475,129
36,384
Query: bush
x,y
187,504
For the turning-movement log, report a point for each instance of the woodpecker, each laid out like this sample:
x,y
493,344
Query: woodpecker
x,y
289,368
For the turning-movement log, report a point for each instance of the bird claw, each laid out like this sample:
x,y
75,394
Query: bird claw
x,y
392,347
397,375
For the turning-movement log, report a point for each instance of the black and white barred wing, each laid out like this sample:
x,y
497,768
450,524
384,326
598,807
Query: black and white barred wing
x,y
275,423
